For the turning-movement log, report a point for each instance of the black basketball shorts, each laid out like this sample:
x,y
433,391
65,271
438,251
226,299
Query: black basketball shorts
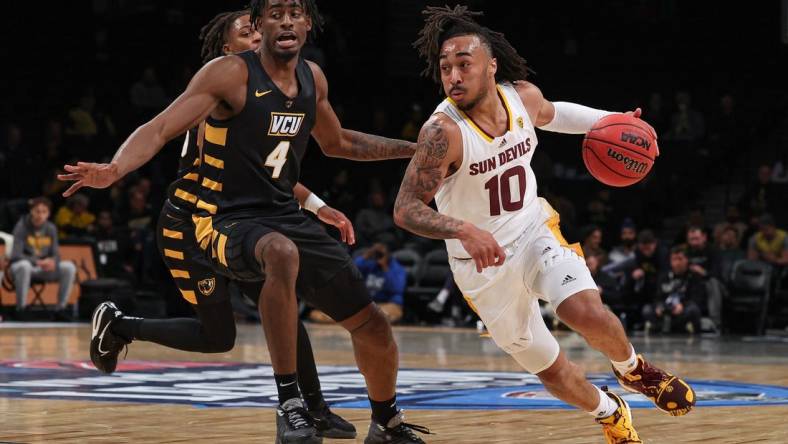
x,y
197,281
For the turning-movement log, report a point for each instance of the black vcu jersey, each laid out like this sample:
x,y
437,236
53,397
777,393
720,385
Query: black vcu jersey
x,y
183,191
250,164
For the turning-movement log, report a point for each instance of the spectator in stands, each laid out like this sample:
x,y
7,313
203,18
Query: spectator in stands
x,y
657,113
410,130
375,223
728,137
686,123
762,196
704,263
680,294
146,94
87,126
592,243
640,274
730,252
608,287
19,165
341,193
73,219
732,220
3,258
113,248
625,250
385,279
769,244
36,253
460,313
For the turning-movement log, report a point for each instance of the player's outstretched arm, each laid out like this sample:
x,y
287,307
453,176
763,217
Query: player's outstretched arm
x,y
210,85
562,117
336,141
439,146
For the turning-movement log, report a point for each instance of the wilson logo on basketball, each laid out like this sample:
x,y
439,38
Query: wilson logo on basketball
x,y
629,164
285,124
636,140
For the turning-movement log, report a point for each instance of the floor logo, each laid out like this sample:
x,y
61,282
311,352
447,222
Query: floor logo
x,y
223,384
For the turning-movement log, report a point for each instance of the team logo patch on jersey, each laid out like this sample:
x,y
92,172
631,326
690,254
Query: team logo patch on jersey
x,y
229,384
520,122
206,286
285,124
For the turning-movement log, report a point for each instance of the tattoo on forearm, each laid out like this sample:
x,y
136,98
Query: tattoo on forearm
x,y
421,180
369,147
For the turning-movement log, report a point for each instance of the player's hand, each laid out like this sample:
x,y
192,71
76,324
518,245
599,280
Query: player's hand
x,y
636,114
86,174
338,219
638,273
482,247
47,264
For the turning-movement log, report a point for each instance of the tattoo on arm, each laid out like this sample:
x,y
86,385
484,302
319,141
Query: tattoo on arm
x,y
362,146
421,181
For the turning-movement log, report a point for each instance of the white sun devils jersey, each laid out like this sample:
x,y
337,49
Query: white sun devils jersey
x,y
495,187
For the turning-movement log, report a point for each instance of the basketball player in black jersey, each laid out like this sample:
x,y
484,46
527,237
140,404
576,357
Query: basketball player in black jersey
x,y
214,330
260,108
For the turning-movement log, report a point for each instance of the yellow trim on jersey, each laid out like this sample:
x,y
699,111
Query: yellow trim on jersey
x,y
473,125
191,176
201,204
203,226
214,162
188,197
211,184
180,274
189,296
220,247
217,136
173,254
172,234
470,304
506,105
553,225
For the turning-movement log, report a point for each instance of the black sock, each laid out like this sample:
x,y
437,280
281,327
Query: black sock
x,y
287,387
383,411
308,381
126,327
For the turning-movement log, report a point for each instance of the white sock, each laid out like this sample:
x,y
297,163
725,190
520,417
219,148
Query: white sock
x,y
443,295
606,405
628,365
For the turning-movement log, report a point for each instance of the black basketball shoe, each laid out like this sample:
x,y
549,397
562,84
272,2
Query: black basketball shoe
x,y
395,432
105,346
331,425
294,425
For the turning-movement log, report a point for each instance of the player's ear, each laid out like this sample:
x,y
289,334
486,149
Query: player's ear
x,y
308,24
226,49
493,66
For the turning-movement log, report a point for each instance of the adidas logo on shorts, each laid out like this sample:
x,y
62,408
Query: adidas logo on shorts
x,y
567,279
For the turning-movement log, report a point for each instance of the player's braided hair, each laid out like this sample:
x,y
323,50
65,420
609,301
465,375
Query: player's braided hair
x,y
443,23
309,6
214,34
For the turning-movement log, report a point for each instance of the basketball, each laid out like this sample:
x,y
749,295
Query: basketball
x,y
619,150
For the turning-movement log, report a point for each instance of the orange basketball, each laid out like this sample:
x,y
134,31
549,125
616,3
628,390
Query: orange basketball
x,y
619,150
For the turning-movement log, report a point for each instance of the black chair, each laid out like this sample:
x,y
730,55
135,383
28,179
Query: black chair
x,y
410,261
433,272
37,285
750,291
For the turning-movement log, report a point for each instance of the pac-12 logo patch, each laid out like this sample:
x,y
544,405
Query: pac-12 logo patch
x,y
285,124
206,286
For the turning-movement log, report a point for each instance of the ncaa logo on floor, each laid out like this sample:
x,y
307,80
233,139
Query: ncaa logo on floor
x,y
222,384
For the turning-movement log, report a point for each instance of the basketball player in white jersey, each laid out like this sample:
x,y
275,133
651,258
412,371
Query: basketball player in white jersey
x,y
505,248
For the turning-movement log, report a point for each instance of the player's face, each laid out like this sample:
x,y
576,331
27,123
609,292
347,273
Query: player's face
x,y
467,70
679,262
284,26
241,37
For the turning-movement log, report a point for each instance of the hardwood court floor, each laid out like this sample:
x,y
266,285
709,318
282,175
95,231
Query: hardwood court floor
x,y
23,420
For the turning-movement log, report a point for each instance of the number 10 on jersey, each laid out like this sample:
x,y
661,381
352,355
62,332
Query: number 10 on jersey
x,y
500,190
277,158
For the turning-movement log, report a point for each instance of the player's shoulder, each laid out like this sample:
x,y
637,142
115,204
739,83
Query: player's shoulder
x,y
527,91
321,82
441,123
225,70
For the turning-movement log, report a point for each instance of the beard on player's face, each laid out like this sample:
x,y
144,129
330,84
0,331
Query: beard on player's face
x,y
467,104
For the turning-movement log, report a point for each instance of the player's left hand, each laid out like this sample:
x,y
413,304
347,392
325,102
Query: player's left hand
x,y
636,114
338,219
86,174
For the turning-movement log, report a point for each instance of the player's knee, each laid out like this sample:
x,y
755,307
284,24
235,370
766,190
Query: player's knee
x,y
279,255
558,372
374,328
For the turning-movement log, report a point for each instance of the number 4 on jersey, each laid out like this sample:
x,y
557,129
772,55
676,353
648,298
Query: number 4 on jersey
x,y
277,158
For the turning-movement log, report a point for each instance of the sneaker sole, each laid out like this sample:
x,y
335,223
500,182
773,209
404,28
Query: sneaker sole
x,y
337,434
310,440
95,337
631,390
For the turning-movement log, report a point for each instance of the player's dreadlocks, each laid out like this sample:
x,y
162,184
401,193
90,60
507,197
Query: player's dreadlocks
x,y
310,8
443,23
214,34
